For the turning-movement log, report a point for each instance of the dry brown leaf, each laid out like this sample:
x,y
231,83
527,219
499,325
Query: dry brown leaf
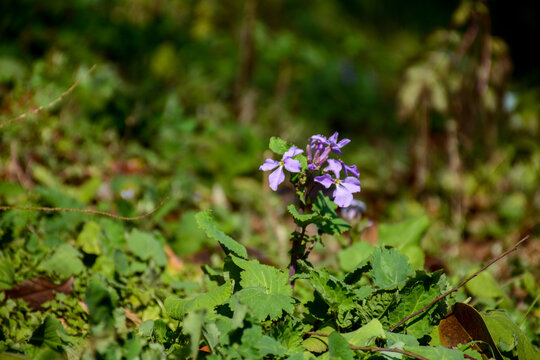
x,y
174,261
133,317
465,324
39,290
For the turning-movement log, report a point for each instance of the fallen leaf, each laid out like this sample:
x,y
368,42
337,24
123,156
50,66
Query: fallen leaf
x,y
133,317
464,325
39,290
174,261
83,305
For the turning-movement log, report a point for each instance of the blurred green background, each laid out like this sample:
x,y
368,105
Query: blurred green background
x,y
440,100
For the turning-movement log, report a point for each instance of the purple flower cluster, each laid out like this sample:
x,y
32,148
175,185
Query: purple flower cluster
x,y
318,151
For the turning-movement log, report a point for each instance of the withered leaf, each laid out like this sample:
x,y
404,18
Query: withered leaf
x,y
464,325
37,291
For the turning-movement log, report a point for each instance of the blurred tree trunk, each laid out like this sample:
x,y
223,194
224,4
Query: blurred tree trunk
x,y
421,144
246,96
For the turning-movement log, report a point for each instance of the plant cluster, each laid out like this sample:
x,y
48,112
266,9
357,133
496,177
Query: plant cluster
x,y
139,303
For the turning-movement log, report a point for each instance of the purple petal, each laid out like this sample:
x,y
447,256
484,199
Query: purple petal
x,y
292,165
312,167
325,180
350,169
318,138
343,142
352,184
293,151
276,178
269,164
334,166
333,139
342,196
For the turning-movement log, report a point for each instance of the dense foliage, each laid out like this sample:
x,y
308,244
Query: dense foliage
x,y
176,116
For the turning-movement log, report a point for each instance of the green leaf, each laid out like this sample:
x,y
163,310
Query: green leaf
x,y
393,338
435,353
377,305
229,245
101,303
350,257
64,262
508,337
145,247
266,290
88,238
338,347
303,160
278,145
146,328
341,300
316,343
390,269
367,334
263,305
177,307
302,220
413,297
484,286
331,223
7,276
406,236
192,326
50,333
402,234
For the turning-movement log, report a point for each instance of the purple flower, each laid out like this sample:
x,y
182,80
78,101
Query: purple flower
x,y
335,145
344,188
292,165
322,149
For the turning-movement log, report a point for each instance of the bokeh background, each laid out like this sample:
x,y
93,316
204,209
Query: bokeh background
x,y
439,98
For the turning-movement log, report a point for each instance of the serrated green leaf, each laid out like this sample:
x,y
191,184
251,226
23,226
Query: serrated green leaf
x,y
290,333
330,223
390,268
263,305
302,220
341,300
266,290
366,335
7,276
278,145
229,245
435,353
88,238
413,297
338,347
377,305
177,307
145,247
64,262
